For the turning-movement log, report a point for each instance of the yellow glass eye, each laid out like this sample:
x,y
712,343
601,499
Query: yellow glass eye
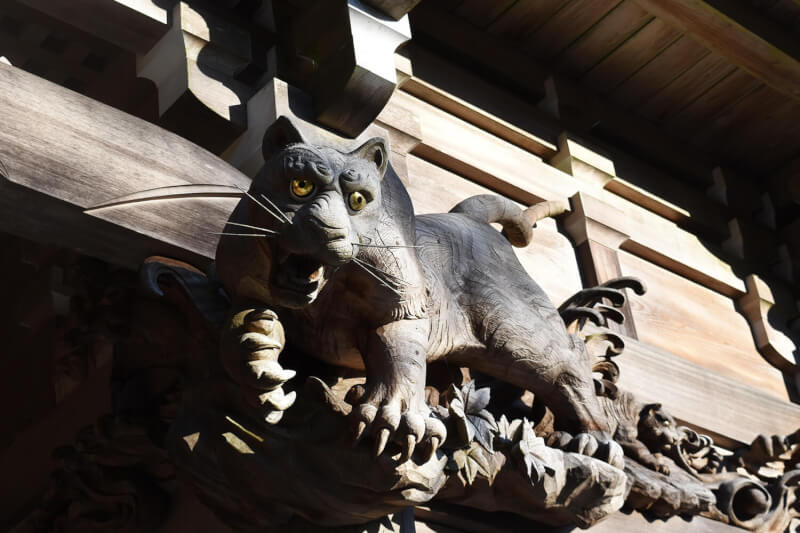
x,y
357,201
302,187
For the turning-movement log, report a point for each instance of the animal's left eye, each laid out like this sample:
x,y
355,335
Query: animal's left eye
x,y
302,187
357,201
666,423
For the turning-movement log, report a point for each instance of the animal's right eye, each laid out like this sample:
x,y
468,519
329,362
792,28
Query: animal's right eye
x,y
301,188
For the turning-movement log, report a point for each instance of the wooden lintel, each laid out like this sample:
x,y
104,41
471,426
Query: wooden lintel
x,y
133,25
739,33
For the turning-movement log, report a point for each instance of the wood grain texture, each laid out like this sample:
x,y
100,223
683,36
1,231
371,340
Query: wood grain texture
x,y
712,402
689,85
565,26
449,142
738,32
432,24
659,72
579,109
524,17
731,88
610,31
67,151
482,103
663,243
481,13
630,56
134,25
700,326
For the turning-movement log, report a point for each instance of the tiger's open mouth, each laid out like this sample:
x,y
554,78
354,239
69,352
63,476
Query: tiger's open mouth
x,y
301,275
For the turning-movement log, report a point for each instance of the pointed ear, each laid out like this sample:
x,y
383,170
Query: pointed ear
x,y
278,136
651,407
376,152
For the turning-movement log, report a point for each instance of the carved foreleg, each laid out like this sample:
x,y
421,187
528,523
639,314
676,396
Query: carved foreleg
x,y
251,344
637,451
393,404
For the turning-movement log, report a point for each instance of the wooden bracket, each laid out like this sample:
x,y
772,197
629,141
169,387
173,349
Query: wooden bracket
x,y
278,98
770,325
133,25
342,54
195,67
576,159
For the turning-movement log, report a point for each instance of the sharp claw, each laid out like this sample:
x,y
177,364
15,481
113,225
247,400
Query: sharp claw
x,y
434,447
277,399
274,417
259,341
359,432
412,442
270,373
383,438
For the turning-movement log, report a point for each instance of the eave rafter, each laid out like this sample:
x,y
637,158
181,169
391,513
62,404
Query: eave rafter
x,y
739,33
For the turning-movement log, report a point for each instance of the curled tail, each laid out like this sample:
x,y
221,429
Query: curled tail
x,y
517,223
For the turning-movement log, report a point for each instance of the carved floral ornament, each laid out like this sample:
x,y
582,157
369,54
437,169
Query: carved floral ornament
x,y
311,379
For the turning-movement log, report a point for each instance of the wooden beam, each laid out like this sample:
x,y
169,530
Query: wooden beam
x,y
730,410
739,33
61,152
134,25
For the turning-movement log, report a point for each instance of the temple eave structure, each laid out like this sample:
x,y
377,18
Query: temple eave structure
x,y
411,266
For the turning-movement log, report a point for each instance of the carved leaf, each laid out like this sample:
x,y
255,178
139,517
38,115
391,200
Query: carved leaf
x,y
475,400
526,453
468,415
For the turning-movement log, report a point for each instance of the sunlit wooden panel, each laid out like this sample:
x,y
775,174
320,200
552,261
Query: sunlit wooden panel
x,y
699,325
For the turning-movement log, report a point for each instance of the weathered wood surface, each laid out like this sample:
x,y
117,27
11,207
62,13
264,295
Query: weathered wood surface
x,y
134,25
550,259
62,153
739,33
449,141
729,410
50,152
699,325
447,519
471,98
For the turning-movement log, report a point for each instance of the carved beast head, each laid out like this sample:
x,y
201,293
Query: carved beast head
x,y
324,209
657,429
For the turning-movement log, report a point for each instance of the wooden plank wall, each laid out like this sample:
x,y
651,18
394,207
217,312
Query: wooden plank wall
x,y
691,311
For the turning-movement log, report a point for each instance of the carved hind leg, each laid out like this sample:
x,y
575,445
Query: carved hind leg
x,y
558,373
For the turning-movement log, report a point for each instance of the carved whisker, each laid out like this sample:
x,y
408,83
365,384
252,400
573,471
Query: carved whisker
x,y
389,277
276,208
265,208
374,275
385,245
240,234
273,232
